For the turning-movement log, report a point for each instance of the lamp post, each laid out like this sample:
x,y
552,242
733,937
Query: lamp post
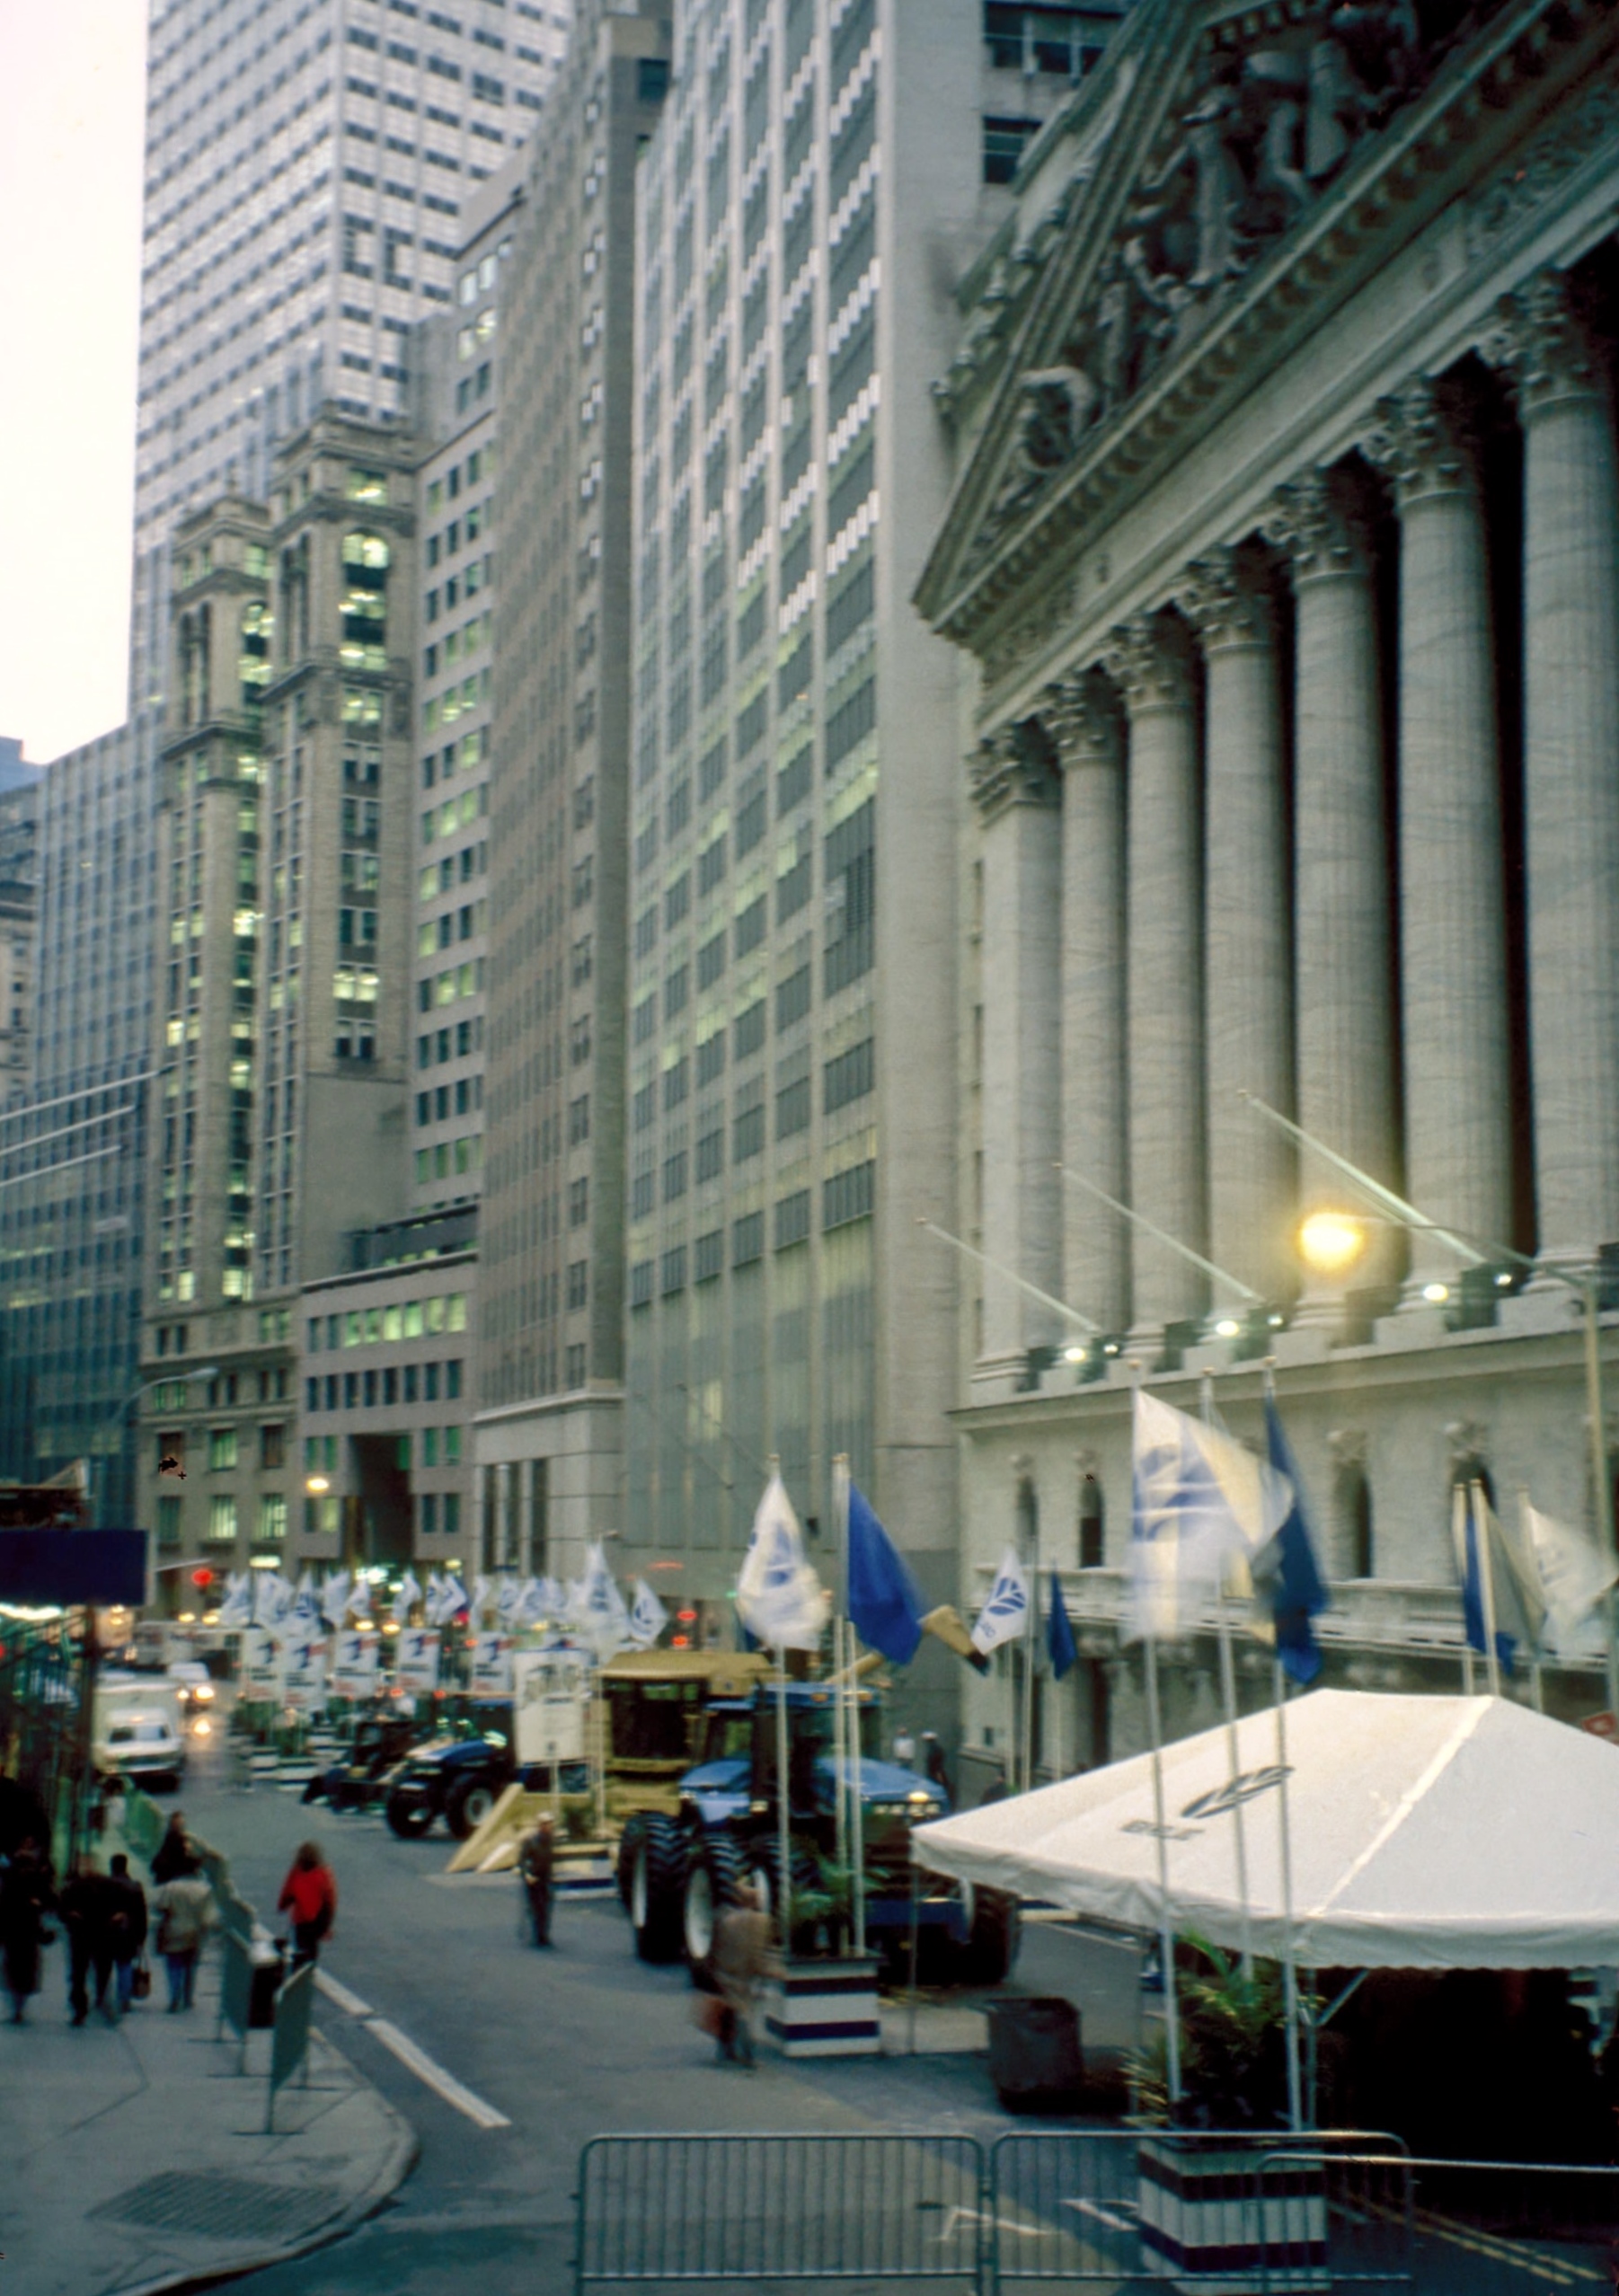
x,y
1331,1242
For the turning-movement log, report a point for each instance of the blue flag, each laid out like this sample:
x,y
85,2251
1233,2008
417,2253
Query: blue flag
x,y
1296,1589
885,1608
1059,1634
1504,1597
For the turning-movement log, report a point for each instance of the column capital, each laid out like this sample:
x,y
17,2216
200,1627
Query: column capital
x,y
1421,437
1542,347
1081,716
1011,766
1226,601
1315,521
1146,661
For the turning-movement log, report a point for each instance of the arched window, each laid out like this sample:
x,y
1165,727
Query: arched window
x,y
364,645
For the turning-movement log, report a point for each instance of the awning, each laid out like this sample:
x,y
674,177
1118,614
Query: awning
x,y
1426,1832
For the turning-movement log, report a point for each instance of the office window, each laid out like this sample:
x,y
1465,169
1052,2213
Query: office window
x,y
222,1450
273,1445
273,1516
222,1519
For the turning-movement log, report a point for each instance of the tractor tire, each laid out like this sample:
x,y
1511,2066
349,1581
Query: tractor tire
x,y
713,1875
993,1934
629,1843
764,1859
410,1820
470,1803
657,1880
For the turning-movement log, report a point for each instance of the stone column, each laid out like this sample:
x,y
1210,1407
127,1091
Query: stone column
x,y
1453,937
1082,718
1151,664
1570,766
1342,993
1247,948
1017,793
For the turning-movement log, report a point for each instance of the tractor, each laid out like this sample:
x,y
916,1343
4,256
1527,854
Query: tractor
x,y
677,1871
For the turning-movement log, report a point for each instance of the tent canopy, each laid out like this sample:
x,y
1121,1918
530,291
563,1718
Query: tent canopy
x,y
1426,1834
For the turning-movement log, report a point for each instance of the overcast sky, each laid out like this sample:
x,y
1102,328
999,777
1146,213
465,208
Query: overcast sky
x,y
72,101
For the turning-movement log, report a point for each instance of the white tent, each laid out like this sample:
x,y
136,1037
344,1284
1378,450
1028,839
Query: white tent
x,y
1427,1833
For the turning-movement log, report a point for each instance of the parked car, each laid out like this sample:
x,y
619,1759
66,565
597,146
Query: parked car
x,y
196,1684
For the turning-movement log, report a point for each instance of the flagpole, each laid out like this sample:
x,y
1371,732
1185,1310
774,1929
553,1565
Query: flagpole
x,y
851,1844
782,1794
1228,1691
1528,1543
1284,1822
1034,1600
1056,1697
1481,1534
1166,1934
1458,1532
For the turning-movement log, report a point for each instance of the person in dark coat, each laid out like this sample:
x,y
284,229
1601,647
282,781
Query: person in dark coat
x,y
128,1903
26,1897
87,1910
176,1853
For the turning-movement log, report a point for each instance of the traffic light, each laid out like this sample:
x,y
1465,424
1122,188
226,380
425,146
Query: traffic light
x,y
202,1578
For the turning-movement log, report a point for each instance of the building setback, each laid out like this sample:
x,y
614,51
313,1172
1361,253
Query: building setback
x,y
550,1338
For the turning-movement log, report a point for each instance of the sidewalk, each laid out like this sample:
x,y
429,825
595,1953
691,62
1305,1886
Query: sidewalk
x,y
137,2159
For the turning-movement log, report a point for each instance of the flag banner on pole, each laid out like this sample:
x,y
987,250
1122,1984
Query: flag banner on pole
x,y
950,1628
334,1597
237,1607
1006,1614
359,1597
1573,1574
1513,1624
408,1594
479,1601
306,1613
452,1600
272,1599
779,1598
262,1660
885,1608
354,1659
1288,1571
508,1601
648,1617
304,1673
417,1660
600,1618
490,1669
1059,1634
1202,1507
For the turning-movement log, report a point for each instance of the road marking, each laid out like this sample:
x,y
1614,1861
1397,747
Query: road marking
x,y
401,2046
340,1994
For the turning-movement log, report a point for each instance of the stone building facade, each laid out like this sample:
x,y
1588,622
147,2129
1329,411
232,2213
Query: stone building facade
x,y
1284,554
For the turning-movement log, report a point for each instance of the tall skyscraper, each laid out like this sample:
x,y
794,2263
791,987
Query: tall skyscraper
x,y
306,163
550,1350
19,889
816,186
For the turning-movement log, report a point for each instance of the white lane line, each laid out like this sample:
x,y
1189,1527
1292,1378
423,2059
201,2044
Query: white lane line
x,y
445,2086
340,1994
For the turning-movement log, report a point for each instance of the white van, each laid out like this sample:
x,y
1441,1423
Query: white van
x,y
136,1730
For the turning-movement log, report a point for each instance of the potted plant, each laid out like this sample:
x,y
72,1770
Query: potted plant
x,y
824,2000
1204,2219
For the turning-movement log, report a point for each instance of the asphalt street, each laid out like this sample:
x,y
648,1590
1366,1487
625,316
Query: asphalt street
x,y
465,2025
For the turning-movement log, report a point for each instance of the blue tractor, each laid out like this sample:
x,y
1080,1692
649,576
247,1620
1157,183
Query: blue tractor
x,y
677,1872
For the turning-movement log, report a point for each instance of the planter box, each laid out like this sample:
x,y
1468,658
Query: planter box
x,y
1204,2229
826,2008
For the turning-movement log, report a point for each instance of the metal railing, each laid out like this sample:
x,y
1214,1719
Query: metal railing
x,y
1513,2228
782,2207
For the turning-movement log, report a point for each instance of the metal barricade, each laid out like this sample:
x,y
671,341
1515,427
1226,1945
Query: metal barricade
x,y
1504,2228
787,2208
289,2043
1339,2209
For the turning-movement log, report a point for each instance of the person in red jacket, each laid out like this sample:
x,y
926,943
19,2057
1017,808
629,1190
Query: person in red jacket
x,y
309,1893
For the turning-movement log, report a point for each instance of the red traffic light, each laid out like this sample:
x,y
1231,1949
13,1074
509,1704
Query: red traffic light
x,y
687,1618
202,1578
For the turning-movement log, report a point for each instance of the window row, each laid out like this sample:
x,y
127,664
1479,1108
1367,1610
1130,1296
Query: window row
x,y
393,1383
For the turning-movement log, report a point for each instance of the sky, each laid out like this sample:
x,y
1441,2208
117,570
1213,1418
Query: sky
x,y
72,118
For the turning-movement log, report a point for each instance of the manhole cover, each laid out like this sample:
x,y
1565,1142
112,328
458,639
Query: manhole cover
x,y
222,2208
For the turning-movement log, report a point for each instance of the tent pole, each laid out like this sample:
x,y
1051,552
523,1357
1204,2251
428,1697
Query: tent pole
x,y
1228,1691
1166,1933
1458,1532
1289,1961
1527,1547
843,1655
1482,1542
1029,1693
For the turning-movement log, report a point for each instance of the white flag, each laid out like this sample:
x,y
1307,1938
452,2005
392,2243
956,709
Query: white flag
x,y
648,1617
451,1597
531,1603
1202,1506
272,1599
509,1601
334,1597
359,1597
1574,1574
478,1602
237,1607
600,1619
779,1598
1006,1614
409,1592
306,1605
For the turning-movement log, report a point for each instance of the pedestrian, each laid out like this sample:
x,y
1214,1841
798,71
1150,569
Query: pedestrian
x,y
905,1747
26,1897
185,1914
87,1910
932,1762
175,1852
309,1893
534,1859
744,1956
128,1901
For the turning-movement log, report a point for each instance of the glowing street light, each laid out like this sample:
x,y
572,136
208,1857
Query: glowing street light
x,y
1331,1242
315,1484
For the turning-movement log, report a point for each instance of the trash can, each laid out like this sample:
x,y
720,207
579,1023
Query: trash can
x,y
1034,2054
268,1969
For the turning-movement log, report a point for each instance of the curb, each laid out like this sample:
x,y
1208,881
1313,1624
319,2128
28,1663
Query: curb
x,y
402,2157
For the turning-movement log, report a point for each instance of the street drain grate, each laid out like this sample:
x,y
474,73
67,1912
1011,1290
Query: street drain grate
x,y
222,2208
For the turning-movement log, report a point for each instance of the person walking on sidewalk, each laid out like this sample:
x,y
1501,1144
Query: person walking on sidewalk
x,y
127,1902
86,1909
743,1957
309,1893
26,1897
185,1913
176,1853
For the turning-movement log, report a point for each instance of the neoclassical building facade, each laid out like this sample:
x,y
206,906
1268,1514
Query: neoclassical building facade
x,y
1284,559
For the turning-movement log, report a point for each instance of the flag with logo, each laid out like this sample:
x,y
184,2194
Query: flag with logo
x,y
780,1600
1572,1573
648,1617
306,1613
354,1664
1005,1613
359,1596
490,1673
452,1600
261,1656
1513,1591
406,1595
885,1608
1286,1571
1059,1634
508,1601
417,1660
303,1673
334,1597
272,1599
237,1607
1202,1506
599,1617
